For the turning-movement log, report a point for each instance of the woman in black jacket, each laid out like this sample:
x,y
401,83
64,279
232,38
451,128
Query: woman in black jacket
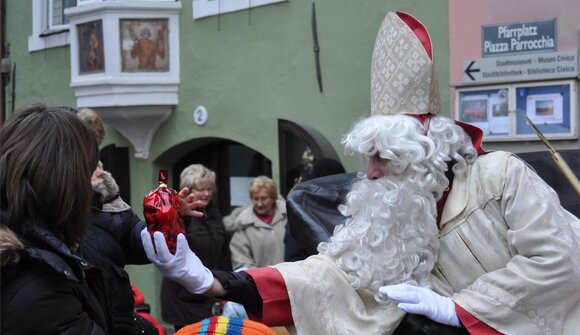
x,y
206,237
47,157
112,240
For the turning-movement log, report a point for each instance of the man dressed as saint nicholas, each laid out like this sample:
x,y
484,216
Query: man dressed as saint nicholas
x,y
435,226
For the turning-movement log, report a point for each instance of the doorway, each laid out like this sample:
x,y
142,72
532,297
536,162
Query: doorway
x,y
300,147
234,164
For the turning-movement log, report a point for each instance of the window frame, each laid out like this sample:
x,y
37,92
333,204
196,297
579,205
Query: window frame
x,y
44,36
50,26
206,8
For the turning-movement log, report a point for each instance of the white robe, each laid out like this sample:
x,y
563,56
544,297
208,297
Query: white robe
x,y
509,250
324,302
510,256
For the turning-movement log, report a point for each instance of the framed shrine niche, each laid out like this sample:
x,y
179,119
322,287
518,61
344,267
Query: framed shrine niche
x,y
91,47
144,45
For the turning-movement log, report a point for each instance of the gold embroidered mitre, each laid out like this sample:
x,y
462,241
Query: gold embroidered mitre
x,y
403,76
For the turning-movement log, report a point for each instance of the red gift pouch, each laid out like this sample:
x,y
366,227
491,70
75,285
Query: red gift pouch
x,y
161,209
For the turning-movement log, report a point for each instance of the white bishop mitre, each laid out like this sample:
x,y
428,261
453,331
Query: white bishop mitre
x,y
403,76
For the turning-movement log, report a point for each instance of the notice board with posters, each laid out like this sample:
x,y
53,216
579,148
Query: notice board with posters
x,y
501,110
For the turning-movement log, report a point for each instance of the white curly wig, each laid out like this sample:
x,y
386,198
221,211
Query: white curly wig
x,y
400,139
390,235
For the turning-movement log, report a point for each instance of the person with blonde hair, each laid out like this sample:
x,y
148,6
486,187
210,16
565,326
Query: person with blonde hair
x,y
208,239
259,238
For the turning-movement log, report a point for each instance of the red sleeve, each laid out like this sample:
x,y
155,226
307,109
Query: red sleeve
x,y
276,303
473,324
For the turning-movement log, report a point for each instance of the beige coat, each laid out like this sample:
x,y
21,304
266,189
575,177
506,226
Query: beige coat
x,y
517,249
510,256
256,243
324,303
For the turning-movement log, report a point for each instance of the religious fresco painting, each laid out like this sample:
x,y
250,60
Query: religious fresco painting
x,y
91,47
144,46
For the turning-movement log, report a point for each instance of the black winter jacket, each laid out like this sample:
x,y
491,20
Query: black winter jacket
x,y
47,289
110,243
113,240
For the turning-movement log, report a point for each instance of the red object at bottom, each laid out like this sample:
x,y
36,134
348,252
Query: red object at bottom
x,y
142,309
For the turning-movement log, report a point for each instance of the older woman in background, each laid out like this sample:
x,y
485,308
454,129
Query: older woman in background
x,y
259,238
207,238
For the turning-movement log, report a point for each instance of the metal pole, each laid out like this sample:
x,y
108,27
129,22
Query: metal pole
x,y
560,162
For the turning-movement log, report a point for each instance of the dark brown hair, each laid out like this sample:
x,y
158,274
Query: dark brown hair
x,y
47,157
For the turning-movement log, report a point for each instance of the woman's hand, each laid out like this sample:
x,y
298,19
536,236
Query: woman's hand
x,y
189,203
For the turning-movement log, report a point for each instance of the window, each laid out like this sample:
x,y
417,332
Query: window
x,y
204,8
49,24
56,18
500,111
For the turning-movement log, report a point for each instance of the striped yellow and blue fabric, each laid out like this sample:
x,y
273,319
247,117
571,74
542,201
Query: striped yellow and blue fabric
x,y
223,325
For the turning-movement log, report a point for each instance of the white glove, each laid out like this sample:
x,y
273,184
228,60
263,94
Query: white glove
x,y
420,300
184,267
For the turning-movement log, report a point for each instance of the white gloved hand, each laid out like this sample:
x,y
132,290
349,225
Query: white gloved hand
x,y
184,267
420,300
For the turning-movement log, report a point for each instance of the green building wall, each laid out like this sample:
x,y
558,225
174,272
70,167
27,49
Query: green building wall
x,y
249,69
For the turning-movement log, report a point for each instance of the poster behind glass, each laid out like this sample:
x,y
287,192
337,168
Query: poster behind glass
x,y
486,109
548,107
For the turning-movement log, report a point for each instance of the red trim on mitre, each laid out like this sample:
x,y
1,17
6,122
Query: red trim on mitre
x,y
476,135
422,118
474,132
419,30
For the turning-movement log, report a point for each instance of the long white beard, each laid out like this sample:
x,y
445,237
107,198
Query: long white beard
x,y
390,235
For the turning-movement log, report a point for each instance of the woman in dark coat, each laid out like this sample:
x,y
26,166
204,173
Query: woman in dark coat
x,y
112,240
206,237
47,157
